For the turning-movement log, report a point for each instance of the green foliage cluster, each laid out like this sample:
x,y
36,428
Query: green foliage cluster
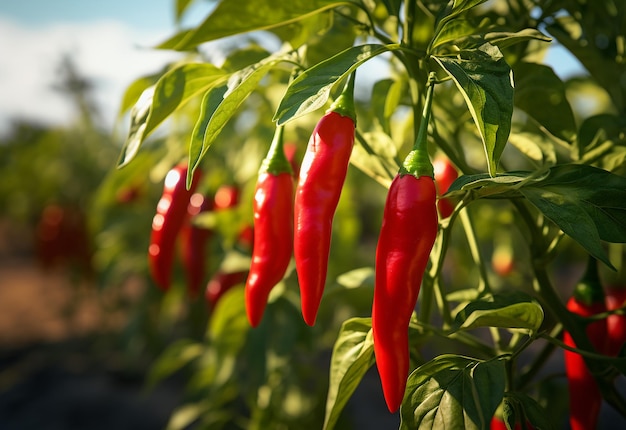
x,y
542,182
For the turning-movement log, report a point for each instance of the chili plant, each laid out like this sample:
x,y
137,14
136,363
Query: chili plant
x,y
457,344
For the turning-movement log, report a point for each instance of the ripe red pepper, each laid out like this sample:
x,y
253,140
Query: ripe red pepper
x,y
273,229
194,241
322,175
170,216
220,283
585,398
445,175
406,238
615,324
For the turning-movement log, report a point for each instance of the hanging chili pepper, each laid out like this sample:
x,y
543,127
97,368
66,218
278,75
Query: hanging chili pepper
x,y
273,229
445,175
322,175
406,238
194,241
169,218
585,398
615,324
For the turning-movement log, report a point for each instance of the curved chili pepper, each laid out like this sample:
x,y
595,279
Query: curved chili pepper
x,y
445,175
273,229
322,175
615,324
194,243
169,218
406,238
585,398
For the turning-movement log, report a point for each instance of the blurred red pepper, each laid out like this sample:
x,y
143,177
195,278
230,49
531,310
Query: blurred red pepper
x,y
194,241
170,216
226,197
445,175
585,398
616,324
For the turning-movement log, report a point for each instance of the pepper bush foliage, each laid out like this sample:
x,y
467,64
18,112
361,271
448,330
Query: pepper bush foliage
x,y
541,185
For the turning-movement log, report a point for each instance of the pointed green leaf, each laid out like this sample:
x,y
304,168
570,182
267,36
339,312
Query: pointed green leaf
x,y
353,355
587,203
484,80
541,94
134,91
172,91
451,31
235,17
506,311
311,89
229,325
181,6
453,392
216,112
517,406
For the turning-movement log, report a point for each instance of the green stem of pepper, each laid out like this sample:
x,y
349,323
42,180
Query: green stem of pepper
x,y
344,104
276,161
589,290
417,162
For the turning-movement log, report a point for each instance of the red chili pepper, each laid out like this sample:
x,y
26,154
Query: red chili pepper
x,y
498,424
220,283
445,175
406,238
273,229
194,243
615,324
166,224
585,398
322,175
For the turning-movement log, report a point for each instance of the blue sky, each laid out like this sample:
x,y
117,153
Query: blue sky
x,y
109,41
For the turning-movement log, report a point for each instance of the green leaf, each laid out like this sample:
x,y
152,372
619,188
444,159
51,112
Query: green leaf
x,y
484,80
541,94
235,17
601,138
134,91
229,325
452,31
172,91
357,278
311,89
386,96
216,111
181,6
518,406
453,392
375,155
177,355
587,203
517,311
504,39
353,355
536,146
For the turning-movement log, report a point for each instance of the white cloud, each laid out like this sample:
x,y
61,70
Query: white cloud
x,y
109,53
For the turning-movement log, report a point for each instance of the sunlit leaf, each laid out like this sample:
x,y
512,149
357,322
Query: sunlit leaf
x,y
453,392
484,80
311,89
216,111
505,311
235,17
173,90
541,94
353,355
